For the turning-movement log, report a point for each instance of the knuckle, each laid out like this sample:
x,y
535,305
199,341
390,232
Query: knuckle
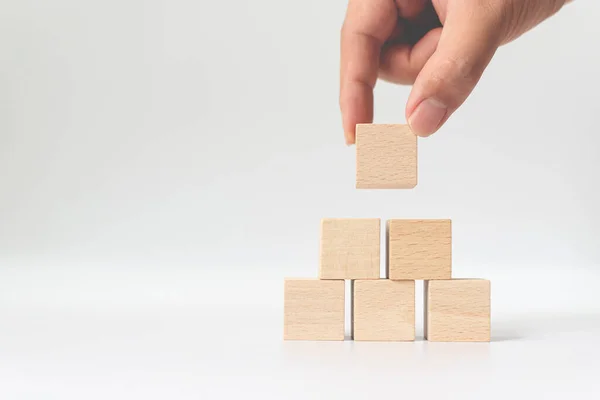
x,y
517,17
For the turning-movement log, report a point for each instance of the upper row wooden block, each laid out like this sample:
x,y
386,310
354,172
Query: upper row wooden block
x,y
350,248
419,249
386,157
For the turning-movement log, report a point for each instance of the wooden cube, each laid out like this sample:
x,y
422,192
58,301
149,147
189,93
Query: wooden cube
x,y
350,248
313,309
383,310
419,249
386,157
457,310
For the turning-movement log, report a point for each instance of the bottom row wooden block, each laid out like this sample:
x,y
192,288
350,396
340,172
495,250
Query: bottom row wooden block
x,y
384,310
457,310
313,309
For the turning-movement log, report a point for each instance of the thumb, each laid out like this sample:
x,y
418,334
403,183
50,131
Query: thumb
x,y
468,42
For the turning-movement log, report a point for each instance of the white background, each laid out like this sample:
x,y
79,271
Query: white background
x,y
165,164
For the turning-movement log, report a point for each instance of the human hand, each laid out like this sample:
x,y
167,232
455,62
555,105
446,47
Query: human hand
x,y
441,47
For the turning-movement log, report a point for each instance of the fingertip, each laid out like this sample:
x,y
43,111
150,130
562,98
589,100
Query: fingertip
x,y
349,137
423,135
419,132
427,117
357,108
348,128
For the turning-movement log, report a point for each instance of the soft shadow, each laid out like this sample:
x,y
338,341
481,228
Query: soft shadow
x,y
543,324
505,338
505,332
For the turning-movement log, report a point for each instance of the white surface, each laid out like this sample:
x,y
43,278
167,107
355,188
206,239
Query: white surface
x,y
216,337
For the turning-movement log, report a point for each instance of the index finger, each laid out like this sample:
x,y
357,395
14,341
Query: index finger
x,y
368,24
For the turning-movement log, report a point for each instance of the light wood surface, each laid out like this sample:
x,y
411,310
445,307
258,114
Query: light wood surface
x,y
419,249
313,309
386,157
350,248
457,310
383,310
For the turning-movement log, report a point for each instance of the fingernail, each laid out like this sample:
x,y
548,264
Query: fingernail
x,y
348,139
427,117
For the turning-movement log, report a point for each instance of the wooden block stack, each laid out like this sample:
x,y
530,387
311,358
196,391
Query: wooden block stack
x,y
456,310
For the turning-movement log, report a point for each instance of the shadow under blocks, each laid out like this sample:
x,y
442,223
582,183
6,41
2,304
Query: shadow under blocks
x,y
383,308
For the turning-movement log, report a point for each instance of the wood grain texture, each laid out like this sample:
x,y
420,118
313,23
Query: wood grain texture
x,y
419,249
386,157
383,310
313,309
457,310
350,248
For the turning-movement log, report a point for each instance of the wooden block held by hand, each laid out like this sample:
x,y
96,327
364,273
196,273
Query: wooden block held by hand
x,y
383,310
419,249
350,248
457,310
313,309
386,157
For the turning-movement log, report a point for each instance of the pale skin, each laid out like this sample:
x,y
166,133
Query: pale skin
x,y
440,47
